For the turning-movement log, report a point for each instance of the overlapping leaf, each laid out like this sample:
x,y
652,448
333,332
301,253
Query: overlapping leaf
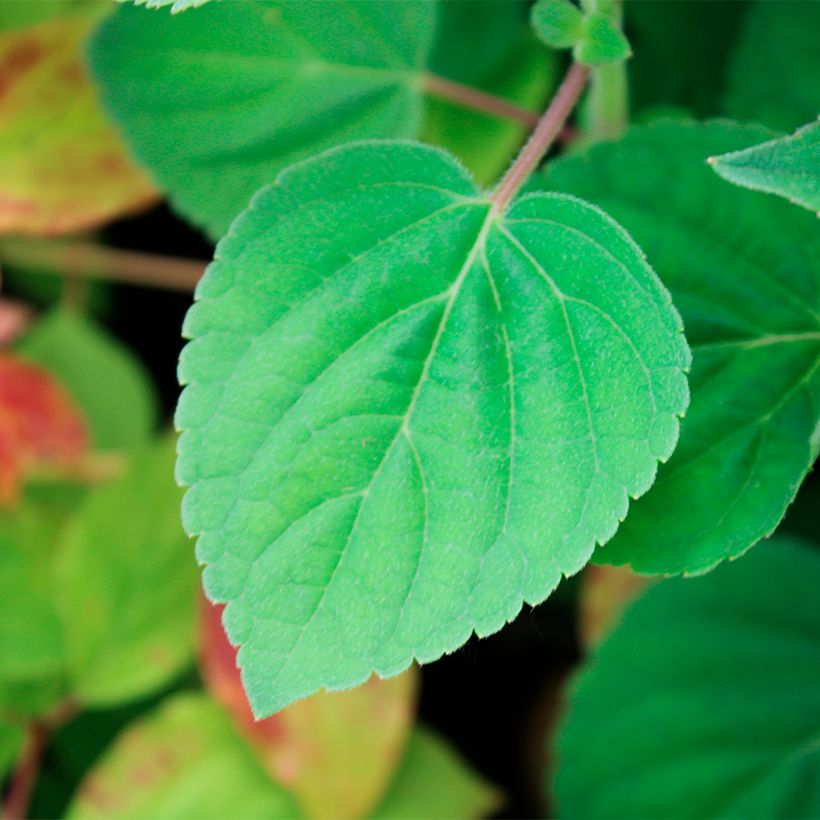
x,y
40,425
705,702
788,166
183,760
773,72
126,584
62,165
434,783
336,752
744,270
108,382
406,413
217,101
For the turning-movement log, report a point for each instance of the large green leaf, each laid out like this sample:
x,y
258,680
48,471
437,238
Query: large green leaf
x,y
127,584
773,76
433,782
184,760
406,414
705,701
216,101
744,270
110,386
788,166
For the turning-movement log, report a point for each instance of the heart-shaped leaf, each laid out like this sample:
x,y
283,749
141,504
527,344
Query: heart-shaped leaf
x,y
407,413
744,270
705,701
788,166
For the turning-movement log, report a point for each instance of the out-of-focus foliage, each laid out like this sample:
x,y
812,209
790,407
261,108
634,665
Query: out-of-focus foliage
x,y
773,75
705,701
63,166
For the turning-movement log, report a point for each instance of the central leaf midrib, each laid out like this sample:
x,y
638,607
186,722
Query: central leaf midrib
x,y
404,428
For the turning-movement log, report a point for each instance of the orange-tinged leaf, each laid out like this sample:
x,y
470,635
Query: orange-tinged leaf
x,y
63,166
336,751
605,592
40,425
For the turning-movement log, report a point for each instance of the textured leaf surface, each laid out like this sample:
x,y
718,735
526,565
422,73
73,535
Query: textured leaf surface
x,y
487,45
335,751
109,384
744,270
127,584
705,702
434,783
184,760
40,425
405,414
62,165
788,166
773,76
558,23
218,100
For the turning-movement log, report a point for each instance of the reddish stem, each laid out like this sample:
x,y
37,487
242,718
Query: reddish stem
x,y
470,97
548,128
24,776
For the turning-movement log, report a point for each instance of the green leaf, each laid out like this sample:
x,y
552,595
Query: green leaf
x,y
602,42
216,102
744,271
12,738
127,584
184,760
773,74
433,783
788,166
19,14
31,641
486,45
110,385
558,23
705,701
666,71
407,414
176,5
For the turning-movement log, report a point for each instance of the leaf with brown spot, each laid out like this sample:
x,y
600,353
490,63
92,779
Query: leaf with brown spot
x,y
40,425
336,751
63,166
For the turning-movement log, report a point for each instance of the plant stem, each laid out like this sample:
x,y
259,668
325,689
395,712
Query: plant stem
x,y
548,128
605,113
476,99
85,260
24,776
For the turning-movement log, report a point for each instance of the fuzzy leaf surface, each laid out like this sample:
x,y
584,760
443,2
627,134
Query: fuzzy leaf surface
x,y
406,415
709,692
218,100
744,270
788,166
184,759
772,76
63,166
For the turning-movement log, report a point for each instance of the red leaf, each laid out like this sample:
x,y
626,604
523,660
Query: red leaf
x,y
40,425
